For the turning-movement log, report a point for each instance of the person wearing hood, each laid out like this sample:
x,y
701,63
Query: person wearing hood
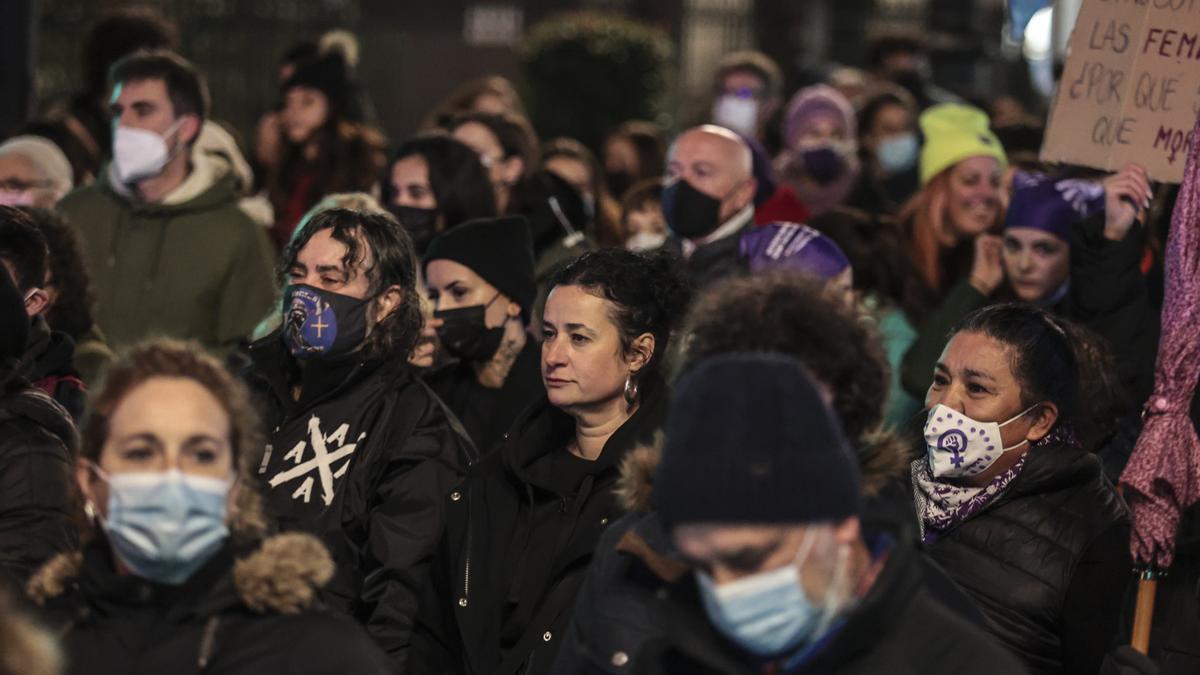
x,y
776,310
522,527
758,491
819,165
708,200
479,277
435,183
175,573
168,249
37,440
1008,500
327,147
33,172
48,359
360,453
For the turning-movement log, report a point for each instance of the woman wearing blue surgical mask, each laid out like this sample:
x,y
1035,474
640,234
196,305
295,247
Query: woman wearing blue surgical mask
x,y
175,574
1009,503
888,147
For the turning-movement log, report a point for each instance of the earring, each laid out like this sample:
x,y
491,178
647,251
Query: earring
x,y
631,390
89,510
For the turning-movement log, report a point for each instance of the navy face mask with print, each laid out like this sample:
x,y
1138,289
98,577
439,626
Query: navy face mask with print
x,y
320,324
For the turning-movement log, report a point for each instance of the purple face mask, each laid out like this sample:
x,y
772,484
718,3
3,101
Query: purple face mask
x,y
795,247
823,163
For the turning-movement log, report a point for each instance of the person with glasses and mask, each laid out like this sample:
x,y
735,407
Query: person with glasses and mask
x,y
359,451
169,251
760,494
479,277
176,573
708,200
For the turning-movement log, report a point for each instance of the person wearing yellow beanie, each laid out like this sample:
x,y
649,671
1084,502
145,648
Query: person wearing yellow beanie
x,y
954,132
960,203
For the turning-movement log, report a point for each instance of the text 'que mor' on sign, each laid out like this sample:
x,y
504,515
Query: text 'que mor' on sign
x,y
1130,90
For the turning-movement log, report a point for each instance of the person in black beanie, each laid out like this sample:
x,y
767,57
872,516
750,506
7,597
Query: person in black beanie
x,y
327,147
759,489
479,277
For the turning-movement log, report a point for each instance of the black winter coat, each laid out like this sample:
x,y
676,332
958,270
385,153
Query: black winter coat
x,y
247,614
486,413
364,461
619,609
517,546
713,262
896,628
36,473
1047,561
48,363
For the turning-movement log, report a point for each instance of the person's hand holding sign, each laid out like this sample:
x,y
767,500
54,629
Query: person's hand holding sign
x,y
1127,197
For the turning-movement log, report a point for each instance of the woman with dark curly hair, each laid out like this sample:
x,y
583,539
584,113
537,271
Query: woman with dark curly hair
x,y
176,574
361,453
521,529
776,311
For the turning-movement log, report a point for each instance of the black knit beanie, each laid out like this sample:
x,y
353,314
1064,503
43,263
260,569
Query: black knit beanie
x,y
499,250
328,74
749,440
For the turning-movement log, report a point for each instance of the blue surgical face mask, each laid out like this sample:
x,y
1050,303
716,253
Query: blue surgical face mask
x,y
898,153
769,613
165,525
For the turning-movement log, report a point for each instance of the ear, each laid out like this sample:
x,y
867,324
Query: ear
x,y
37,303
189,128
745,194
847,531
513,310
513,168
84,475
640,352
387,302
231,499
1044,418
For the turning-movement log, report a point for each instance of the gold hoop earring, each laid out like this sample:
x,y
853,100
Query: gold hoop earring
x,y
631,390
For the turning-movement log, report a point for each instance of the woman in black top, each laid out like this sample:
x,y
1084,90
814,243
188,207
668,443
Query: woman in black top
x,y
479,276
522,528
1009,503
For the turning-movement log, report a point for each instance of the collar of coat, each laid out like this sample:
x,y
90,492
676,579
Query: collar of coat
x,y
282,576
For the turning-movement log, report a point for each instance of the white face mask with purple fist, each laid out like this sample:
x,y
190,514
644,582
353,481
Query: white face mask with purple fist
x,y
960,446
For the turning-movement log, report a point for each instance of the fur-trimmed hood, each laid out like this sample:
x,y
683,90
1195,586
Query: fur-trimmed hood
x,y
281,576
882,456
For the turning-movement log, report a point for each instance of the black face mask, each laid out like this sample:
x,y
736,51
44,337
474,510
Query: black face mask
x,y
421,224
465,334
690,213
318,324
618,182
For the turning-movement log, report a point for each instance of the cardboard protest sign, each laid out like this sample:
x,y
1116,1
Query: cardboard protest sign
x,y
1130,90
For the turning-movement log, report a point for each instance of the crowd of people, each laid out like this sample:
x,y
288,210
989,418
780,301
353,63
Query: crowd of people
x,y
840,382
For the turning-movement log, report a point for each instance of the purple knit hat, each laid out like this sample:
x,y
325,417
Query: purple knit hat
x,y
1042,203
794,247
819,100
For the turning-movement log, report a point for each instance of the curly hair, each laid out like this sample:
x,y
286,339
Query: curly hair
x,y
164,357
72,308
788,313
394,263
649,294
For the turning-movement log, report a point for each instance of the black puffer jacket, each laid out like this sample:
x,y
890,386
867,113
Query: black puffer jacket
x,y
36,467
896,628
250,612
1047,561
363,460
517,545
